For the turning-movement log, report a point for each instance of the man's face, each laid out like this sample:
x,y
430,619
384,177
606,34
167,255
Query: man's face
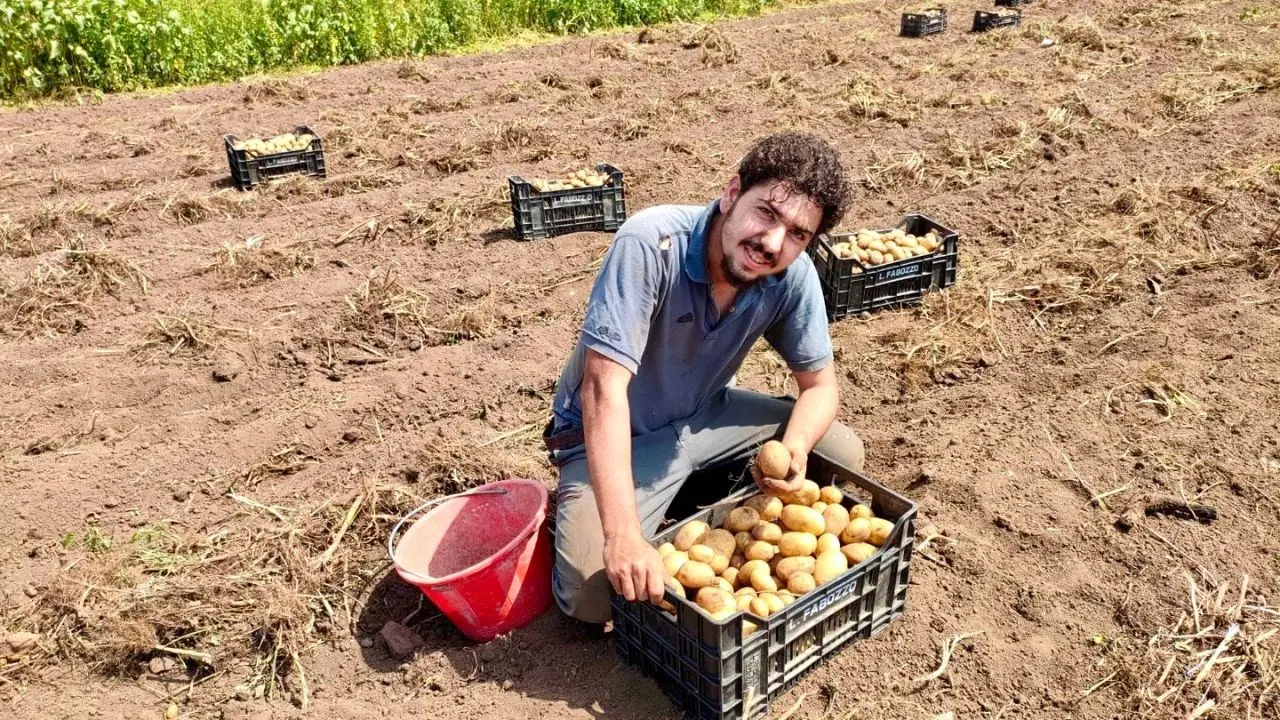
x,y
764,230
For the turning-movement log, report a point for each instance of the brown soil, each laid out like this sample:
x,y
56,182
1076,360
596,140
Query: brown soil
x,y
1113,332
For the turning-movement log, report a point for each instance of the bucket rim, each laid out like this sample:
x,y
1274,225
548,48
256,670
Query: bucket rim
x,y
535,521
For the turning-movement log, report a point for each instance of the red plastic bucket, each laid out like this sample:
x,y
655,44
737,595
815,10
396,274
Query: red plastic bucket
x,y
483,557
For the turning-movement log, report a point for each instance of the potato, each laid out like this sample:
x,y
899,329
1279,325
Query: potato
x,y
858,552
767,531
760,550
666,549
715,601
769,507
762,581
730,574
787,597
737,560
722,541
819,506
876,258
727,586
858,530
744,602
796,544
746,590
881,529
741,519
750,568
836,519
861,511
801,583
829,566
693,533
719,563
791,565
675,587
674,561
741,540
748,627
806,495
828,542
695,575
830,495
774,600
803,519
774,460
702,554
760,607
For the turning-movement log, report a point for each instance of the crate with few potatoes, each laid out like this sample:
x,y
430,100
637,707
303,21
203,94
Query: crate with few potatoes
x,y
580,200
761,588
923,22
256,160
870,270
984,20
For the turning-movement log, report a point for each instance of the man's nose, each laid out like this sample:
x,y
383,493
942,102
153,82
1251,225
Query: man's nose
x,y
773,239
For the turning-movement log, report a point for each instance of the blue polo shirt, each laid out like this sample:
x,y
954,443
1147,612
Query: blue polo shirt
x,y
651,311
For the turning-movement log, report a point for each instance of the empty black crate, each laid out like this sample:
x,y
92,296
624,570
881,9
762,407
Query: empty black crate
x,y
248,172
983,20
547,214
928,21
850,287
713,673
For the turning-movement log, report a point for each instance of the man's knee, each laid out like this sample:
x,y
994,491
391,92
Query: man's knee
x,y
580,591
842,446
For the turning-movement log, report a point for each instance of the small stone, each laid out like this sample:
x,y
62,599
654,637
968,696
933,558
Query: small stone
x,y
181,494
401,642
335,376
350,436
30,591
415,345
111,503
309,423
507,684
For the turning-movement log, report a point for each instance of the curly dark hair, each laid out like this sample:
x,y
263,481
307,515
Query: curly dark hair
x,y
806,164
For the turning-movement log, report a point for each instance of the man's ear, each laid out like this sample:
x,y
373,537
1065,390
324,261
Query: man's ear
x,y
731,193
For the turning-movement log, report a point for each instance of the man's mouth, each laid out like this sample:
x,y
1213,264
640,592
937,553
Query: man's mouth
x,y
758,258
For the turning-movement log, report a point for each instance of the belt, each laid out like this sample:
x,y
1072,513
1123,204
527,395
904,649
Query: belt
x,y
562,440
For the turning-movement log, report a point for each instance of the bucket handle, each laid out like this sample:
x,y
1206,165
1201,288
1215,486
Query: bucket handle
x,y
391,539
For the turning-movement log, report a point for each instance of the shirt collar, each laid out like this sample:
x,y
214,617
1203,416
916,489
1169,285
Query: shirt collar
x,y
695,256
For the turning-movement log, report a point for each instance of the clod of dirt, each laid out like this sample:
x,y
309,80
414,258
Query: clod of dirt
x,y
181,494
1127,520
18,644
30,591
227,368
365,642
162,665
350,436
401,642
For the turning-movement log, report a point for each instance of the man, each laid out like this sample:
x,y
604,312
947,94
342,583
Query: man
x,y
644,400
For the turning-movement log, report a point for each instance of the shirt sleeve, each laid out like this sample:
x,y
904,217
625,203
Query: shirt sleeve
x,y
800,333
623,300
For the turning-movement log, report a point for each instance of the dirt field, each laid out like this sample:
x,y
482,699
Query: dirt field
x,y
204,446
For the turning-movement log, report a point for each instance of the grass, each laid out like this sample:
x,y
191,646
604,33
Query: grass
x,y
132,44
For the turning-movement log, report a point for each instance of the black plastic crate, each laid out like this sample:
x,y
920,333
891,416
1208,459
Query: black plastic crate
x,y
851,287
1012,3
928,21
547,214
984,20
713,673
248,172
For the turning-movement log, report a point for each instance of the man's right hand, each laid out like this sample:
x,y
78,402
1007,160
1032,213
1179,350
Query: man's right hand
x,y
634,567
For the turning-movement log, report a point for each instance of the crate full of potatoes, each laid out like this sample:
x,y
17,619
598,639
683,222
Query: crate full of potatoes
x,y
761,588
583,199
873,269
254,161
